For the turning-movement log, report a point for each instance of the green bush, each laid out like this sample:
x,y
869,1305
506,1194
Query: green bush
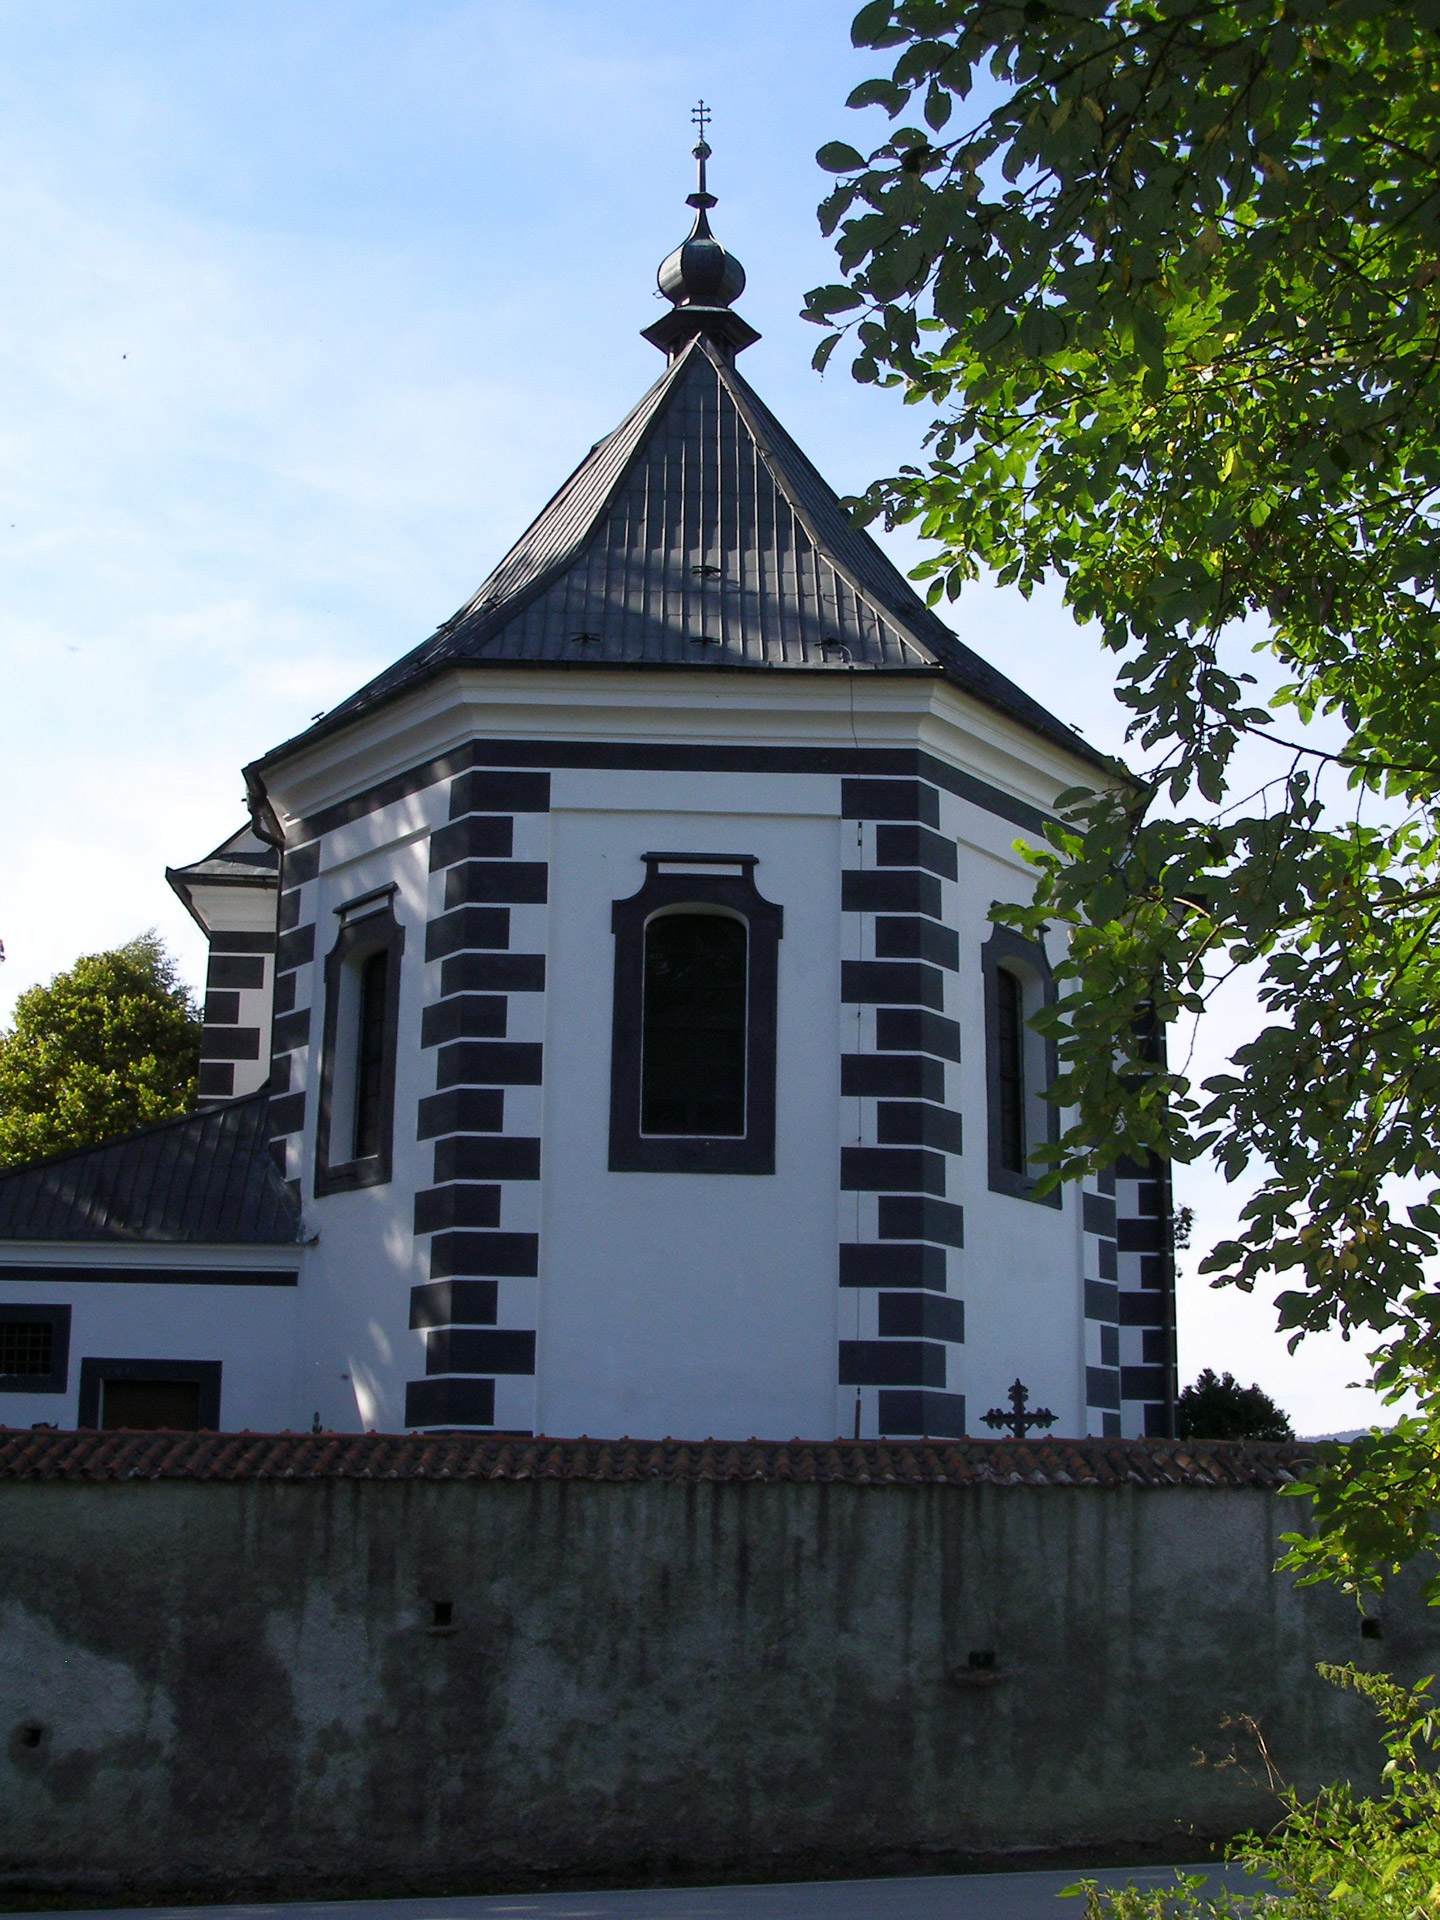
x,y
1341,1855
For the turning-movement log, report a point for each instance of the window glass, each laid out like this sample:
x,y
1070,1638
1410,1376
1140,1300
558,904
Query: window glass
x,y
693,1041
148,1406
1010,1048
370,1054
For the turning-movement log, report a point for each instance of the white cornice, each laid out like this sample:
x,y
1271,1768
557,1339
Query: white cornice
x,y
839,707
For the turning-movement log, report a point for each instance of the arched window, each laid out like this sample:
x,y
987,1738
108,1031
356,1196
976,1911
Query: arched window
x,y
372,974
1011,1143
1019,1063
692,1076
692,1049
357,1081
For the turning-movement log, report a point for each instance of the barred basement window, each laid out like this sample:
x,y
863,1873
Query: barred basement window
x,y
355,1128
34,1348
27,1347
692,1076
1019,1063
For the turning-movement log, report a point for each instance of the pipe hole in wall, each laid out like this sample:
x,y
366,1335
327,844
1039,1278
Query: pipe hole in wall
x,y
1370,1628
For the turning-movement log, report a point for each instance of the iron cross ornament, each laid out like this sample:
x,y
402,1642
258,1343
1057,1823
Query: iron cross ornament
x,y
1017,1420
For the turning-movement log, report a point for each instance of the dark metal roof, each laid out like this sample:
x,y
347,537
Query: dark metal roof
x,y
205,1179
698,535
1214,1464
244,860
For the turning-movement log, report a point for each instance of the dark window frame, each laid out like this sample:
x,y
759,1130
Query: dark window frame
x,y
367,927
205,1374
58,1378
1025,961
703,886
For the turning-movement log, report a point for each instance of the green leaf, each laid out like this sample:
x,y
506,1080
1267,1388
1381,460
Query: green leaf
x,y
836,157
871,24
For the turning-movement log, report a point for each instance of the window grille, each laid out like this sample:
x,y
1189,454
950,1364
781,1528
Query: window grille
x,y
27,1347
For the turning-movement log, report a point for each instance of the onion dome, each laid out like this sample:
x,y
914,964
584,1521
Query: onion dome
x,y
700,278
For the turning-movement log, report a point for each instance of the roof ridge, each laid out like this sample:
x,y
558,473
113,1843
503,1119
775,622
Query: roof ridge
x,y
1082,1463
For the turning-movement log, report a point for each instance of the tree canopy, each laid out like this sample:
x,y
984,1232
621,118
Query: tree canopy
x,y
111,1045
1165,275
1216,1407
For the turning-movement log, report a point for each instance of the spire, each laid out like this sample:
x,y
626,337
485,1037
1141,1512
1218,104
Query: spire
x,y
700,279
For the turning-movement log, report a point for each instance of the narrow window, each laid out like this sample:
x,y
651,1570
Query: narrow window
x,y
1019,1064
370,1054
363,972
693,1042
1010,1070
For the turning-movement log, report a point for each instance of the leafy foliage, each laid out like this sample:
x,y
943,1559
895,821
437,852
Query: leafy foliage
x,y
107,1047
1342,1855
1216,1407
1171,293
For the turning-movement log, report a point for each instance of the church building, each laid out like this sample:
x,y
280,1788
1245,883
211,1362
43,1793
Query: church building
x,y
605,1032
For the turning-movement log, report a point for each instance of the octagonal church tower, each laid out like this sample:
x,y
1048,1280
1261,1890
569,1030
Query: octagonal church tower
x,y
643,1058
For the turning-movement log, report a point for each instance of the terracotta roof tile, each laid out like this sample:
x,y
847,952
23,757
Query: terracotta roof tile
x,y
46,1454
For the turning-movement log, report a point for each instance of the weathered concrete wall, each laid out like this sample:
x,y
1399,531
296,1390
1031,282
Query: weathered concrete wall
x,y
230,1686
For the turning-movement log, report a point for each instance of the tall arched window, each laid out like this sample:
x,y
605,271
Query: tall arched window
x,y
357,1078
692,1049
1011,1143
1019,1063
692,1074
369,1041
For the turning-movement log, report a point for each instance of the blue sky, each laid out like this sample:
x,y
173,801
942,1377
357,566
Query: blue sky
x,y
308,307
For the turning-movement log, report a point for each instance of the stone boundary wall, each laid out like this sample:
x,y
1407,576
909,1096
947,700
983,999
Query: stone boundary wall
x,y
242,1665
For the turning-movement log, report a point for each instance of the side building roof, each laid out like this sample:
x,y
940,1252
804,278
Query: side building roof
x,y
699,535
205,1179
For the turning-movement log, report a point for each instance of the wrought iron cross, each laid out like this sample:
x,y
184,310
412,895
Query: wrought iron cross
x,y
701,116
1017,1419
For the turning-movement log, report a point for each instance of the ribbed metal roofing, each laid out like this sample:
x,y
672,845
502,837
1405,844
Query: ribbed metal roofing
x,y
242,860
205,1179
699,535
1211,1464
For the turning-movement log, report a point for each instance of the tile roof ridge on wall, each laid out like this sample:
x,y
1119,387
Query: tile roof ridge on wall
x,y
1069,1465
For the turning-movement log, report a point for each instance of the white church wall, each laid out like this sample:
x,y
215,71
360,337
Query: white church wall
x,y
359,1273
617,1345
1024,1305
689,1303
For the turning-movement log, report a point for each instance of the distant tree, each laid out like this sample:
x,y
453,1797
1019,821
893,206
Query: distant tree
x,y
1217,1407
107,1047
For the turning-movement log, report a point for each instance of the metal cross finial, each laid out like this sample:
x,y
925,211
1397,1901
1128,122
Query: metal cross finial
x,y
702,196
1017,1420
